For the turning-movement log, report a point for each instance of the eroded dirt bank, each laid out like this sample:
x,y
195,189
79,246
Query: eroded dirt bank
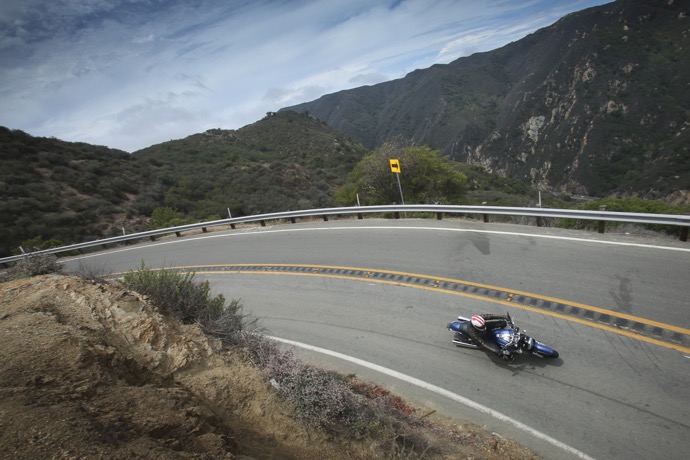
x,y
93,371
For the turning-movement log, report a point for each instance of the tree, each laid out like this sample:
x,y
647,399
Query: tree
x,y
164,217
426,177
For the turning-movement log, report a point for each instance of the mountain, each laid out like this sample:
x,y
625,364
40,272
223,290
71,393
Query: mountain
x,y
596,104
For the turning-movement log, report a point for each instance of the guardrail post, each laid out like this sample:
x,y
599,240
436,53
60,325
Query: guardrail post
x,y
684,231
539,222
232,226
397,215
293,220
178,234
360,216
486,218
439,216
204,229
325,218
263,223
602,223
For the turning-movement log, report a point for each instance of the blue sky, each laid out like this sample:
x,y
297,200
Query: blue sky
x,y
132,73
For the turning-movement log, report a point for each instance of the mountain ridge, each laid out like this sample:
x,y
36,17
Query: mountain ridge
x,y
595,104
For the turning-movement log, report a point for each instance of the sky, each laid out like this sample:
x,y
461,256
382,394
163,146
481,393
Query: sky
x,y
129,74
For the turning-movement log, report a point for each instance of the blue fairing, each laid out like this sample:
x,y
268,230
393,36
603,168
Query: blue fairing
x,y
502,336
541,349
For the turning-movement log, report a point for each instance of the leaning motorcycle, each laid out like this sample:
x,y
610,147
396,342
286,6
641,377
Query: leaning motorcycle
x,y
510,338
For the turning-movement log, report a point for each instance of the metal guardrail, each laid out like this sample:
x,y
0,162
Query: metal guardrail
x,y
485,211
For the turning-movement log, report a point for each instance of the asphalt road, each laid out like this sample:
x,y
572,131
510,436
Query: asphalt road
x,y
610,395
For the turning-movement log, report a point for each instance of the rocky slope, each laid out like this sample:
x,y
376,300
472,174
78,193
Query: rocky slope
x,y
92,371
595,104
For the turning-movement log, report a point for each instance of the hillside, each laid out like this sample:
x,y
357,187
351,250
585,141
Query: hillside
x,y
66,191
596,104
282,162
94,371
74,192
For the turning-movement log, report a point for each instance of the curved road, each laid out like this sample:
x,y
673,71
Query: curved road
x,y
612,395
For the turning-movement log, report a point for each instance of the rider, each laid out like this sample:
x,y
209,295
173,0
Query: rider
x,y
483,323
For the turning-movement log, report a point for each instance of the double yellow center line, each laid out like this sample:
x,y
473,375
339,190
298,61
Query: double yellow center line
x,y
646,330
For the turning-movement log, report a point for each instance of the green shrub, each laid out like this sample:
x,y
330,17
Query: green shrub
x,y
339,404
180,295
34,265
634,205
164,217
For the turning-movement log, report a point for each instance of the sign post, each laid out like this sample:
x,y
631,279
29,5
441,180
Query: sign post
x,y
395,168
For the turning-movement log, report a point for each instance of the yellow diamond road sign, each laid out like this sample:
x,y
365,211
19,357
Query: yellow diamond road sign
x,y
395,165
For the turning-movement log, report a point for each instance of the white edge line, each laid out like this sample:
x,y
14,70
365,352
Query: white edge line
x,y
440,391
494,232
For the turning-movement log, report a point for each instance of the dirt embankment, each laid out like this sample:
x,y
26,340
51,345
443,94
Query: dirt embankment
x,y
92,371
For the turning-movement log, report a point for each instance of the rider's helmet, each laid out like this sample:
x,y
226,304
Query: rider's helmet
x,y
478,322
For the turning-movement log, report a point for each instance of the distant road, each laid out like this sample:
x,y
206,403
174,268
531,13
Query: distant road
x,y
611,396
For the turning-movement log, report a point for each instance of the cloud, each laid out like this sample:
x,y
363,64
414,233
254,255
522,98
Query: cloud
x,y
131,73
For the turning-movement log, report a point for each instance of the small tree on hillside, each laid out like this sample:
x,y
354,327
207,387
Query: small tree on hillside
x,y
426,178
164,217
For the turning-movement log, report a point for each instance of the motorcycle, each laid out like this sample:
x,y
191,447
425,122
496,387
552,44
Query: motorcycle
x,y
510,338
